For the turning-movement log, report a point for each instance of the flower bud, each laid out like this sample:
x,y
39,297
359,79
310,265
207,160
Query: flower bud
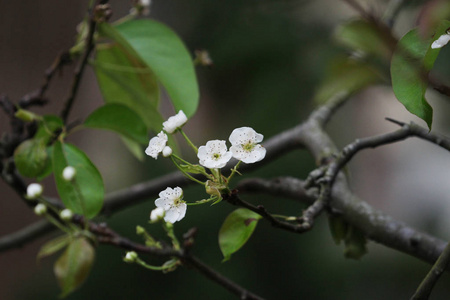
x,y
69,173
167,151
130,257
40,209
34,190
66,215
157,214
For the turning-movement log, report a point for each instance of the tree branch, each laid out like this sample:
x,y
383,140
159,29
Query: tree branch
x,y
80,67
106,235
425,287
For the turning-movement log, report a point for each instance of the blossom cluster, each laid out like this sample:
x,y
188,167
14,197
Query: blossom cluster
x,y
158,143
214,155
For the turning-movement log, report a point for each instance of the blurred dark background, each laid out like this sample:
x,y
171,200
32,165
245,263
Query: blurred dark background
x,y
269,58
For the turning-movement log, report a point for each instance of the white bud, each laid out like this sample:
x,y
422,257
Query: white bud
x,y
167,151
40,209
66,214
69,173
157,214
34,190
130,257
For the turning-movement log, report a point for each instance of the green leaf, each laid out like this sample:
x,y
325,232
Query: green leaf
x,y
193,169
355,243
411,62
164,52
236,230
49,125
31,157
74,265
124,79
366,37
346,77
134,147
121,119
338,228
408,73
84,194
54,246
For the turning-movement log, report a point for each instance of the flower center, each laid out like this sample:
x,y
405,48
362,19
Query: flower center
x,y
216,156
248,147
177,202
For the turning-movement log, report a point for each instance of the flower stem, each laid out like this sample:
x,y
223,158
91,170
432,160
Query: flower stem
x,y
147,266
55,222
168,227
234,170
188,141
173,157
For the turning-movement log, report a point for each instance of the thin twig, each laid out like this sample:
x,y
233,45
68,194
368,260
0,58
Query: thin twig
x,y
25,235
37,97
426,286
106,235
80,68
234,199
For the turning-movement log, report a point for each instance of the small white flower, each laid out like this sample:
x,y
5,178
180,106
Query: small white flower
x,y
34,190
171,201
40,209
156,145
167,151
214,154
245,145
66,214
156,214
175,122
441,41
130,257
69,173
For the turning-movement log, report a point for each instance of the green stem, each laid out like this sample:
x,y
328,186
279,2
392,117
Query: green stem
x,y
168,227
55,222
234,170
150,267
188,141
173,157
203,201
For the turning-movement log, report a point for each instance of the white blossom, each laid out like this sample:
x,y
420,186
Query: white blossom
x,y
441,41
157,214
69,173
40,209
214,154
156,145
245,145
66,214
171,201
34,190
167,151
175,122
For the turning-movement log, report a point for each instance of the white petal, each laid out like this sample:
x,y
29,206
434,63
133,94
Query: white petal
x,y
164,203
171,216
441,41
182,211
175,122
